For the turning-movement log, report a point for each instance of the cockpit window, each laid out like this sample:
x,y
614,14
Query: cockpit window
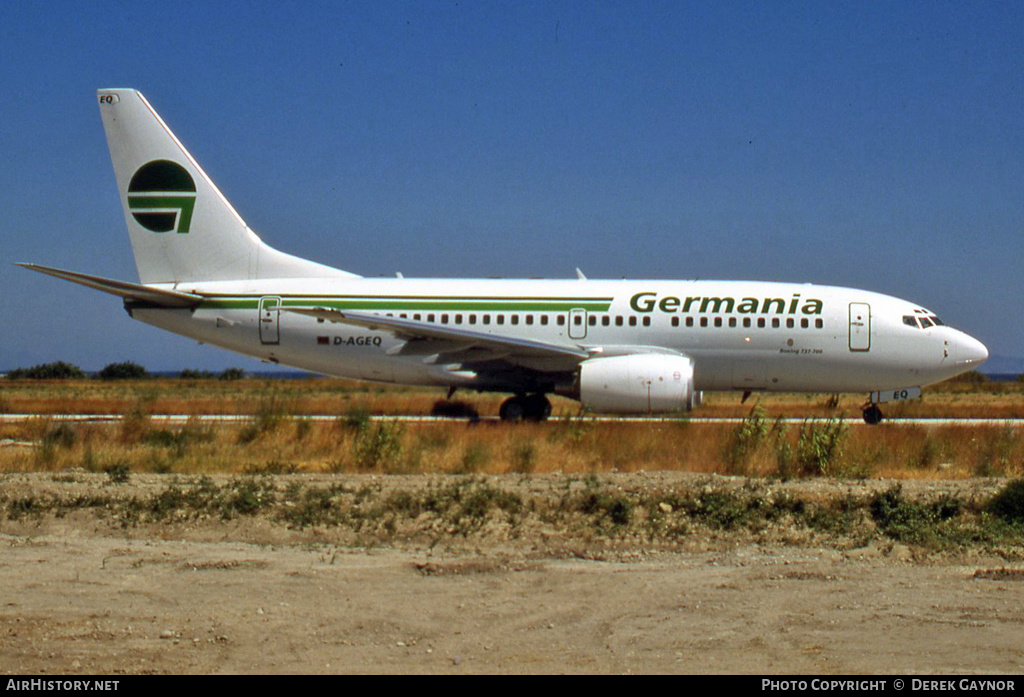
x,y
921,319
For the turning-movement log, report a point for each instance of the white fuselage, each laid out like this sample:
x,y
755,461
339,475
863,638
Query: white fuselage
x,y
740,335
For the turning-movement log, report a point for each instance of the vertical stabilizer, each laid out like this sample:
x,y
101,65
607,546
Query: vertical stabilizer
x,y
181,227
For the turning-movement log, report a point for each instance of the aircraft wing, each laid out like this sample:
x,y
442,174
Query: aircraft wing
x,y
128,291
446,344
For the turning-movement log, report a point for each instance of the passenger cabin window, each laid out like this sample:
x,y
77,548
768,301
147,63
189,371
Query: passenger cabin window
x,y
618,321
632,321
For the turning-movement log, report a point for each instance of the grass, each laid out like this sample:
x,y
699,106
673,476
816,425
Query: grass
x,y
274,440
767,449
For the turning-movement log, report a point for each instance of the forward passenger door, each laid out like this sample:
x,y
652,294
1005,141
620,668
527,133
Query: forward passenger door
x,y
860,327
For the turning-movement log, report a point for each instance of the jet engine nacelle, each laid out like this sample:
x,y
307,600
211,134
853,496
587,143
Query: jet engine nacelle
x,y
638,384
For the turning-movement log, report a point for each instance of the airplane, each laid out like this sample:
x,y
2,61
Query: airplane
x,y
616,346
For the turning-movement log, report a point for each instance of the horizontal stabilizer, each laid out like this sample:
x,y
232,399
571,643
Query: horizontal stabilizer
x,y
128,291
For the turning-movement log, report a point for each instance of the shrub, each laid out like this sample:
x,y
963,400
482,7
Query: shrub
x,y
356,419
118,473
56,437
1008,504
135,425
195,375
474,457
48,371
746,438
971,377
605,506
819,446
313,506
123,371
994,455
60,435
269,415
911,521
247,497
378,446
523,456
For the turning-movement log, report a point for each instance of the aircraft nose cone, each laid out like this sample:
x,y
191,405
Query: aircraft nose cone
x,y
970,351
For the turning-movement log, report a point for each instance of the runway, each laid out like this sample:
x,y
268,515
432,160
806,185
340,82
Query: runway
x,y
177,419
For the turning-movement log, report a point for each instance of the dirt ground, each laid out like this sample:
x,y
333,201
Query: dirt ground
x,y
81,594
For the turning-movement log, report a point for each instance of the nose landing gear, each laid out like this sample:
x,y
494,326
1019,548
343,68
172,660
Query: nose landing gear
x,y
872,415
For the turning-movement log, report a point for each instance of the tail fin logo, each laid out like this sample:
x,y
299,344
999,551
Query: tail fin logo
x,y
162,196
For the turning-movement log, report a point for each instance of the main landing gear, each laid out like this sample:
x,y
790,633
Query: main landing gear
x,y
534,407
872,415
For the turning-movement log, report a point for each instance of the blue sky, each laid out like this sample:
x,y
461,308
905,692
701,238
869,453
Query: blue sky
x,y
875,145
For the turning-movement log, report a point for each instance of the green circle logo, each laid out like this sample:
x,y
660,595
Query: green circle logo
x,y
161,197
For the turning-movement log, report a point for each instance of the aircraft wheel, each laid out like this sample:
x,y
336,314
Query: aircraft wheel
x,y
513,409
538,408
872,415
